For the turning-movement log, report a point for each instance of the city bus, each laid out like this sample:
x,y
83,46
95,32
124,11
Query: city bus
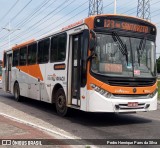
x,y
103,63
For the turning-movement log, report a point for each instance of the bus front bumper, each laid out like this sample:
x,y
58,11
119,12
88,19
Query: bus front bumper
x,y
99,103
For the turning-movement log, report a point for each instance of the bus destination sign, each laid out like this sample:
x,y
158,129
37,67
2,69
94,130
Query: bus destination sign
x,y
125,26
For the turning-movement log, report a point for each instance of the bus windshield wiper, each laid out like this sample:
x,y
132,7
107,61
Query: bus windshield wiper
x,y
141,47
121,45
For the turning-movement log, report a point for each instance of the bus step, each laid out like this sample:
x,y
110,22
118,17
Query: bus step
x,y
74,106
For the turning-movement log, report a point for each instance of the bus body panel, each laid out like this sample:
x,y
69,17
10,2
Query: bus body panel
x,y
31,87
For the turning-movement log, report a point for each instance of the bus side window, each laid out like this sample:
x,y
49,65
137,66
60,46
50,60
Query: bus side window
x,y
32,52
23,56
62,47
58,48
54,49
15,57
43,51
4,60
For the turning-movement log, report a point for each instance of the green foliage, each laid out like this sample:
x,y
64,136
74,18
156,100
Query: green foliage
x,y
158,89
158,65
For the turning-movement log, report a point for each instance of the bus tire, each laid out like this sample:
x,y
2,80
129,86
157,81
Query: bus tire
x,y
61,105
17,92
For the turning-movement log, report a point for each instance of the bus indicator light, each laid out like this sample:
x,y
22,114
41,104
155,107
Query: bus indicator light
x,y
83,97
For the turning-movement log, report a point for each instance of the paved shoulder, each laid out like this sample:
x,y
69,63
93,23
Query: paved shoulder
x,y
10,129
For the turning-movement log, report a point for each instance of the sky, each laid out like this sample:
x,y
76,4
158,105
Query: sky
x,y
28,19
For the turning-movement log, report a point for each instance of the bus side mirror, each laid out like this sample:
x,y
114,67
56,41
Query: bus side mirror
x,y
92,44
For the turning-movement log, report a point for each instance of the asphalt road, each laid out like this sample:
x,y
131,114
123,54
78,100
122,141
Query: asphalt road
x,y
84,125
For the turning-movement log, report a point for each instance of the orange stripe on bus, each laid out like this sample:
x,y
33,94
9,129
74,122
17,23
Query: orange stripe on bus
x,y
90,22
33,70
23,44
119,89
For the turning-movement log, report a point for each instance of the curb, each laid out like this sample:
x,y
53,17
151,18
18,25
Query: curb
x,y
46,130
38,127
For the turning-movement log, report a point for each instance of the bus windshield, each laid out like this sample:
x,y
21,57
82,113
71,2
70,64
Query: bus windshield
x,y
124,56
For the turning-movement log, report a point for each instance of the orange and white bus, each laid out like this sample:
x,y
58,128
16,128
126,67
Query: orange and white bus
x,y
104,63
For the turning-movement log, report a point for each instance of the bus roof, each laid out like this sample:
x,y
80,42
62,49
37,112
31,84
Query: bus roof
x,y
122,15
88,21
91,19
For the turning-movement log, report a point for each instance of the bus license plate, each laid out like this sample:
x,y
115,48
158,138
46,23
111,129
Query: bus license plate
x,y
132,104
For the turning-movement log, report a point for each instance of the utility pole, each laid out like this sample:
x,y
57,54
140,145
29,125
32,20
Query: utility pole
x,y
143,9
9,29
95,7
115,6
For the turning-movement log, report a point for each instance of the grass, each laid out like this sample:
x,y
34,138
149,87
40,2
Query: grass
x,y
158,90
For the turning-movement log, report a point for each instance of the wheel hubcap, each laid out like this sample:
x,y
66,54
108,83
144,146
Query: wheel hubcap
x,y
61,103
16,92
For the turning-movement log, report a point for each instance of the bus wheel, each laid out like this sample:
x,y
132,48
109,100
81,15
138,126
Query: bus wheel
x,y
61,106
17,92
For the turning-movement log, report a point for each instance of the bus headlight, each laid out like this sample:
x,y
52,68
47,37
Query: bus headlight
x,y
108,95
101,91
153,94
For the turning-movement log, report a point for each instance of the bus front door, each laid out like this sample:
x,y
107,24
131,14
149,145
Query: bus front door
x,y
76,82
8,72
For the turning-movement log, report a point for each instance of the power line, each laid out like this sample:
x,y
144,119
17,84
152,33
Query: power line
x,y
33,26
30,16
49,13
44,21
65,21
128,4
21,10
40,23
47,19
9,10
56,21
50,24
136,11
63,17
59,19
18,13
108,5
21,33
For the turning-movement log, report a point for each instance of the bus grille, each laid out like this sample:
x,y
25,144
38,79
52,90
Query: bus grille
x,y
125,106
135,96
132,83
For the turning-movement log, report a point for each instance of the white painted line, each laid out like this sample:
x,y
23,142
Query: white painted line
x,y
40,127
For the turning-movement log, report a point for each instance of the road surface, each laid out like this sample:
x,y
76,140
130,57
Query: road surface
x,y
83,125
